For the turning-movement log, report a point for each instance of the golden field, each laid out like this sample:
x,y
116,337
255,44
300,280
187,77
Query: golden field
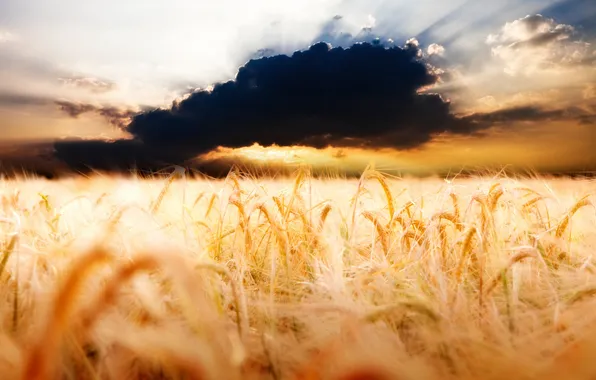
x,y
300,278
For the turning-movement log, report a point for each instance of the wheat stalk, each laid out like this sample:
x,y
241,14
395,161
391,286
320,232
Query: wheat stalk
x,y
465,249
526,254
7,252
211,204
380,230
413,306
41,357
178,172
324,213
381,179
565,222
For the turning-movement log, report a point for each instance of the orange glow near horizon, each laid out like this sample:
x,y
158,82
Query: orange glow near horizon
x,y
289,155
294,155
529,149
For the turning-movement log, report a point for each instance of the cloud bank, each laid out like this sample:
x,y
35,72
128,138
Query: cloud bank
x,y
368,95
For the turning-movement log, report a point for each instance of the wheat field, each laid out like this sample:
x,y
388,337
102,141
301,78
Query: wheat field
x,y
300,278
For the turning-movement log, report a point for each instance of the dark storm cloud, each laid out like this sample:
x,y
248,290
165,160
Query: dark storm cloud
x,y
113,155
368,93
126,156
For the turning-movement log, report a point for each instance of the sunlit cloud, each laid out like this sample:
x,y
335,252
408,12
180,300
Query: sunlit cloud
x,y
435,49
536,44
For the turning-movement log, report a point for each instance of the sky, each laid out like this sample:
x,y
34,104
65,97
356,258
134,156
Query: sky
x,y
414,86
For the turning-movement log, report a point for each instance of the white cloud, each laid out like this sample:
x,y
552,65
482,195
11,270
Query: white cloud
x,y
531,29
538,44
435,49
372,21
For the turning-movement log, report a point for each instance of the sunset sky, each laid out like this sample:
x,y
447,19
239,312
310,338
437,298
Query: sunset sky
x,y
409,85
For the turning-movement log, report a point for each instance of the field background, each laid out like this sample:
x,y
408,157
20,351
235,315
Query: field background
x,y
110,277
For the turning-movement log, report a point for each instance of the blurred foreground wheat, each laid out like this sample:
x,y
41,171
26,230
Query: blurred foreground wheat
x,y
299,278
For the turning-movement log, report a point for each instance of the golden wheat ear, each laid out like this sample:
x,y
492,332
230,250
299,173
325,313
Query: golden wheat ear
x,y
374,219
388,195
324,213
565,222
178,172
